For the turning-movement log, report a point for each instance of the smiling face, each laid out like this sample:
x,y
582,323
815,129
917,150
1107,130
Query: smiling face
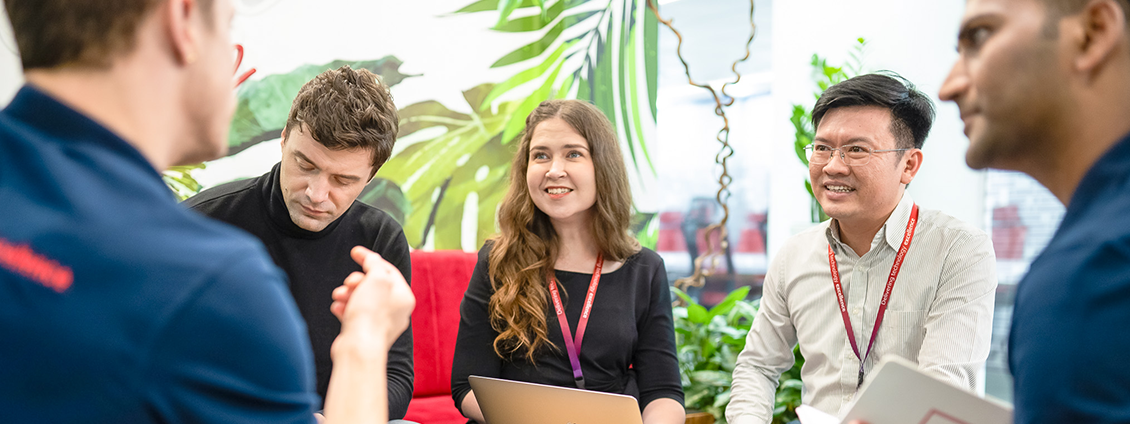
x,y
1008,81
861,193
560,175
319,184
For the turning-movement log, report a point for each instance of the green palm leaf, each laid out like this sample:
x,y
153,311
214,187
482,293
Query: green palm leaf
x,y
535,22
533,49
611,41
526,75
438,175
485,5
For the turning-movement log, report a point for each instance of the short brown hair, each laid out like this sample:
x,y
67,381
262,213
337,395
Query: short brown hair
x,y
346,108
81,33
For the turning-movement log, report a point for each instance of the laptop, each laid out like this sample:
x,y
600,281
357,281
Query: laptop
x,y
900,393
516,402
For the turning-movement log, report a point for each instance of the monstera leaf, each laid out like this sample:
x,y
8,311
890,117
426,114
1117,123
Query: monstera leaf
x,y
262,106
385,195
464,168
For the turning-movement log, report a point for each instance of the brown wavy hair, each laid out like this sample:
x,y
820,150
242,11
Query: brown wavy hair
x,y
525,250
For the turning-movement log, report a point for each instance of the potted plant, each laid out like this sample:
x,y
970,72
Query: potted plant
x,y
708,342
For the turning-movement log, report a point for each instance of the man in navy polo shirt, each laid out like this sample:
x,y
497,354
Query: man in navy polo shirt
x,y
1044,88
118,305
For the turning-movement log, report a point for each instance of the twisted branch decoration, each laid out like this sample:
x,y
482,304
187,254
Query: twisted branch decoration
x,y
698,278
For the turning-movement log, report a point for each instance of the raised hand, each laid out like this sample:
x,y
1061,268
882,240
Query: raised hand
x,y
377,302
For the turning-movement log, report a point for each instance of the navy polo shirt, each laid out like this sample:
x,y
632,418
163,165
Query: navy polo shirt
x,y
1070,335
119,305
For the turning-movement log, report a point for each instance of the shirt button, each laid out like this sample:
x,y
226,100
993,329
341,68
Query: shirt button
x,y
855,311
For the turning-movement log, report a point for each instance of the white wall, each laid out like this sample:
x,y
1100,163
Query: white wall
x,y
915,39
11,76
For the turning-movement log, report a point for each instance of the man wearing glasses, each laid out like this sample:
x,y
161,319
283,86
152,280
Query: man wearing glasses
x,y
881,277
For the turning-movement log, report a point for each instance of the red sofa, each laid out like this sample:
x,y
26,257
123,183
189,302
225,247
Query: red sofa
x,y
439,279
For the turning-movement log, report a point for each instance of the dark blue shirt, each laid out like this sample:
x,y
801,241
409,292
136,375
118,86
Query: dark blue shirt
x,y
1070,333
119,305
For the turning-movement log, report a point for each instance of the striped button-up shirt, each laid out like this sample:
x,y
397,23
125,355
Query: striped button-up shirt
x,y
940,312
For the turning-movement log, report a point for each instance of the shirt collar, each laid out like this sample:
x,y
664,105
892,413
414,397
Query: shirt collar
x,y
895,227
1105,178
37,109
892,230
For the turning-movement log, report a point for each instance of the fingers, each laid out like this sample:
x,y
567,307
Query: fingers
x,y
338,309
342,293
377,300
370,261
354,278
359,254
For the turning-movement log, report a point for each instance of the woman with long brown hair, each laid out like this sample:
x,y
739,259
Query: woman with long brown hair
x,y
564,246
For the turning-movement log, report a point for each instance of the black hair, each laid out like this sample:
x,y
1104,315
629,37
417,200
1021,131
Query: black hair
x,y
912,112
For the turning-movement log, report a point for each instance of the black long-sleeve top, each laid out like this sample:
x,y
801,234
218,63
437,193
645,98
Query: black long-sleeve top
x,y
317,262
628,348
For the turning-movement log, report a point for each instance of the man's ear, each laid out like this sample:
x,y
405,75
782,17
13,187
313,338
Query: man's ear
x,y
1102,25
184,38
282,135
912,162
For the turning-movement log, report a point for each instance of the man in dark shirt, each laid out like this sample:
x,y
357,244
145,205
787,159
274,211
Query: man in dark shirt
x,y
117,304
340,130
1044,88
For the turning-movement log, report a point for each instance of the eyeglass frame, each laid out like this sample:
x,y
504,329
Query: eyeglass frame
x,y
811,150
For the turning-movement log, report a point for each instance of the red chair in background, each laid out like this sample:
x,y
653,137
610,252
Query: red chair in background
x,y
438,280
1009,233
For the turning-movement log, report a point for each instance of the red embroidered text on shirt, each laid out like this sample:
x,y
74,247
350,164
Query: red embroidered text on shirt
x,y
20,259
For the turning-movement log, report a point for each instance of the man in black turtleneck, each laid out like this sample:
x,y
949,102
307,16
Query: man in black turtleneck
x,y
341,129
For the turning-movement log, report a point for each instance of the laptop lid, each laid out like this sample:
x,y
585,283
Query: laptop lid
x,y
516,402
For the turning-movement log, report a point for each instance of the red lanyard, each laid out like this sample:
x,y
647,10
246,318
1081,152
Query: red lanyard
x,y
886,293
574,347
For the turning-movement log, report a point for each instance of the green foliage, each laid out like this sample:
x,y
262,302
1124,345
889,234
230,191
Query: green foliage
x,y
438,174
646,229
824,76
708,343
385,195
180,181
582,66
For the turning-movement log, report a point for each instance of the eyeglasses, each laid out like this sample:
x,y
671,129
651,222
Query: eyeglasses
x,y
852,154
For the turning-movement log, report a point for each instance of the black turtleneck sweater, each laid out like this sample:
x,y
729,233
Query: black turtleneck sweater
x,y
318,262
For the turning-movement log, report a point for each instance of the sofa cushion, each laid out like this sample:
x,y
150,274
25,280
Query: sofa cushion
x,y
434,410
439,279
